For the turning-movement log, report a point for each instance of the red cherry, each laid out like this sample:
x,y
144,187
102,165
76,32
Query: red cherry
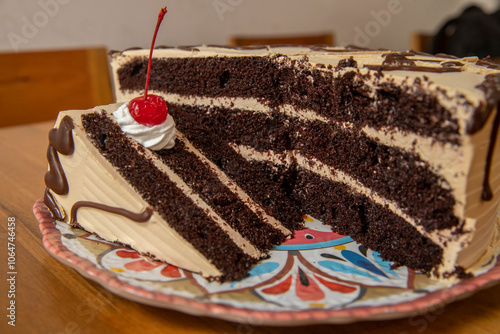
x,y
149,111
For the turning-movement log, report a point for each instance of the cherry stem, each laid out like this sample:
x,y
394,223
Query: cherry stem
x,y
162,13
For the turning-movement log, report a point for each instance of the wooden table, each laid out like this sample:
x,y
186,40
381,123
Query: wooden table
x,y
53,298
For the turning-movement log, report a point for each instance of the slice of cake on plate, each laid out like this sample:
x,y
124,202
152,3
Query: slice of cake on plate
x,y
397,150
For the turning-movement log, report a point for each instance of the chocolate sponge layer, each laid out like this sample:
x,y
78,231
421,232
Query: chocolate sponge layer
x,y
398,176
179,211
277,80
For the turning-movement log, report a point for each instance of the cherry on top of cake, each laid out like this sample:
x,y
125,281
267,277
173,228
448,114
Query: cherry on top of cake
x,y
150,110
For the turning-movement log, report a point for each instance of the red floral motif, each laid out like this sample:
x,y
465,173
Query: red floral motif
x,y
169,271
335,286
141,265
127,254
317,268
302,284
307,289
279,288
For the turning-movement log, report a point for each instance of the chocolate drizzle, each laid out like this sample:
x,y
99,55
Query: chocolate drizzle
x,y
191,48
60,141
487,193
488,64
140,217
61,138
452,64
491,88
428,69
419,53
447,56
396,59
50,202
399,62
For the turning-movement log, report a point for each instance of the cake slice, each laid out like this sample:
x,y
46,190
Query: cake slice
x,y
397,150
155,204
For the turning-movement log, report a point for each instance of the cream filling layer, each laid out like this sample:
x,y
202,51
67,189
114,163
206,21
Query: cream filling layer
x,y
456,81
92,178
235,188
443,158
450,242
326,171
423,146
458,249
234,235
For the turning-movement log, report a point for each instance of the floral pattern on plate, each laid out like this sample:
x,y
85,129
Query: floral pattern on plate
x,y
316,277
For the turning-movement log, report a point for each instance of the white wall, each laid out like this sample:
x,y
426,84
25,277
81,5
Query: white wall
x,y
118,24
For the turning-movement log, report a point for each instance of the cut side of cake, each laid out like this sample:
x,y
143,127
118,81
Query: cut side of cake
x,y
397,150
125,193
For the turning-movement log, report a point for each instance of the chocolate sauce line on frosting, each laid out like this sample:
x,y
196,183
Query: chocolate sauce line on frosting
x,y
488,64
416,53
50,202
452,64
398,61
60,141
487,193
55,179
61,138
413,68
491,88
141,217
447,56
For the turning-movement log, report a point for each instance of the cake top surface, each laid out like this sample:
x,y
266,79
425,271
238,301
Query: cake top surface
x,y
464,75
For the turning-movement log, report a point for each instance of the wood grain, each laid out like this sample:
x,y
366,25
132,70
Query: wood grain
x,y
53,298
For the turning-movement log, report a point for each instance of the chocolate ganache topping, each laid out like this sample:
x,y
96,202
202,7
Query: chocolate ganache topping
x,y
399,62
397,59
60,140
488,64
452,64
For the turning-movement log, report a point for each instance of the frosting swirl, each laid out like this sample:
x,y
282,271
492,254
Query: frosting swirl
x,y
155,137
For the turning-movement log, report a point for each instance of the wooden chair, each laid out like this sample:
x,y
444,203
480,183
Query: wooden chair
x,y
421,42
35,86
319,39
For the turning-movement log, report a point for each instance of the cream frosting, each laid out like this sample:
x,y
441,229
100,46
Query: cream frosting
x,y
92,178
238,239
235,188
443,158
153,137
456,91
464,82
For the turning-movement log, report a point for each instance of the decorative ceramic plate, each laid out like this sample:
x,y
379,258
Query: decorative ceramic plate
x,y
317,277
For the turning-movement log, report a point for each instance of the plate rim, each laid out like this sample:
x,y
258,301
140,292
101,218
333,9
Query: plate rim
x,y
51,240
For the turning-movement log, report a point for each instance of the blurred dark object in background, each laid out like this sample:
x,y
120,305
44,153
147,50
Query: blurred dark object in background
x,y
473,33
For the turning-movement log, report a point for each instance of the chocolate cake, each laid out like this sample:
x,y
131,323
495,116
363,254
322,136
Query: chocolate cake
x,y
397,150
